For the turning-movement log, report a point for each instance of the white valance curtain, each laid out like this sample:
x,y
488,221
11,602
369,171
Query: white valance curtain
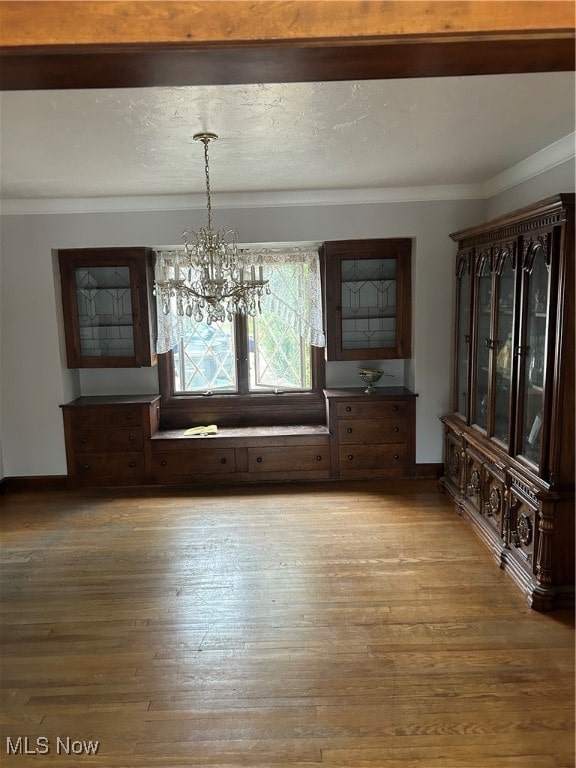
x,y
295,293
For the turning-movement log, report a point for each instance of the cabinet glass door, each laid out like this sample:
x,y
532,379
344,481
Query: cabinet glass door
x,y
368,303
368,299
503,347
105,316
536,301
482,341
463,308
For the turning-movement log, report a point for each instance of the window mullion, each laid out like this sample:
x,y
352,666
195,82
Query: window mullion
x,y
242,354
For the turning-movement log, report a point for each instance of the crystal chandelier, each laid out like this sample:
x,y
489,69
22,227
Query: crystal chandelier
x,y
211,279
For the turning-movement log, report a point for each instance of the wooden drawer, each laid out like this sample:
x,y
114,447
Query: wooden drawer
x,y
372,431
372,460
119,439
106,415
377,409
303,458
109,468
189,463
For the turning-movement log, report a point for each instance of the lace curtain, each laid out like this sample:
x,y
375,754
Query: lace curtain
x,y
295,294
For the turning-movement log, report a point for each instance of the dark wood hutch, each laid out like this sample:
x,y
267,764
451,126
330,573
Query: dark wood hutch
x,y
509,440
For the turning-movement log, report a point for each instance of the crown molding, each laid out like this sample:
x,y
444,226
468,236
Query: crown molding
x,y
551,156
237,200
544,160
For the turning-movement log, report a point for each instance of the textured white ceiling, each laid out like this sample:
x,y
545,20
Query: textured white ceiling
x,y
278,137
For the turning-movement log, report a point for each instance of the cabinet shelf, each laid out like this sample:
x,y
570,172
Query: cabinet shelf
x,y
386,316
106,325
100,288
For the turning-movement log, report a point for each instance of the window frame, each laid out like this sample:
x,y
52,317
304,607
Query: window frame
x,y
242,408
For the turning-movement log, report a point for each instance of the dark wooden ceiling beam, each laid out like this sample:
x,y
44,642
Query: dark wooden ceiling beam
x,y
113,68
88,44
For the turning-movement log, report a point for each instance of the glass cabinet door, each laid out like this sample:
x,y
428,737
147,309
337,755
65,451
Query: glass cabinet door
x,y
503,346
104,306
536,317
368,298
483,339
108,316
368,301
463,309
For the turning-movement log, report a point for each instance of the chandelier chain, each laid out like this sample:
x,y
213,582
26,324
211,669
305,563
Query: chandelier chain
x,y
206,141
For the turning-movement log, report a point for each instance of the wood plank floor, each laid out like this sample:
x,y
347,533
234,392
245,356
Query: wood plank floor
x,y
286,627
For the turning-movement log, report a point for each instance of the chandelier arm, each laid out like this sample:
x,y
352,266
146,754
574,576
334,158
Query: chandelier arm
x,y
236,292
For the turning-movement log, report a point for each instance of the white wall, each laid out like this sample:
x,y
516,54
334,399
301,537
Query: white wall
x,y
34,381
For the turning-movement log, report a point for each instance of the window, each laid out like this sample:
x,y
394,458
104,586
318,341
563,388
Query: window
x,y
267,369
250,354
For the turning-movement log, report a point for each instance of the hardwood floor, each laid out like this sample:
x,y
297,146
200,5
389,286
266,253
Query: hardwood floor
x,y
344,624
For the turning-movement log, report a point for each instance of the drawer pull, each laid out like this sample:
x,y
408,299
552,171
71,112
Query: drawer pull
x,y
350,457
394,407
82,418
84,440
132,464
163,462
348,408
222,461
259,459
349,430
318,458
396,456
396,429
129,416
85,467
131,438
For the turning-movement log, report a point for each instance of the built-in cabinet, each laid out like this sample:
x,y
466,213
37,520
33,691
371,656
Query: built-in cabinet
x,y
367,298
373,435
509,441
108,439
108,307
116,441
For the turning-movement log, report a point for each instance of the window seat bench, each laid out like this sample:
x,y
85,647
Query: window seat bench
x,y
241,454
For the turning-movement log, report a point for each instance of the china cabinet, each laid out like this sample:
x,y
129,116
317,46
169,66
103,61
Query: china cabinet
x,y
509,440
368,298
108,307
373,435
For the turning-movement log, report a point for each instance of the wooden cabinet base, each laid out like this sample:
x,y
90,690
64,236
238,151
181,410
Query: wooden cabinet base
x,y
373,435
107,439
116,441
527,526
238,455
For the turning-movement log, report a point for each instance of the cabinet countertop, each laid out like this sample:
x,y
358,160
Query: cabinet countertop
x,y
380,393
85,400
